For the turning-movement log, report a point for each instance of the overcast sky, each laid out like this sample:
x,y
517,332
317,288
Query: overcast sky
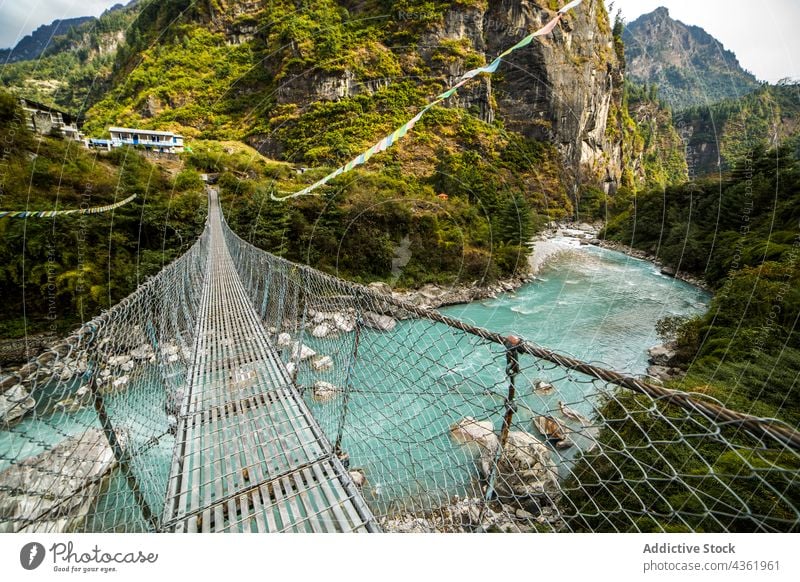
x,y
762,34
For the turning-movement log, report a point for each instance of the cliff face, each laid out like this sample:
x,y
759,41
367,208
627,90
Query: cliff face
x,y
559,89
689,66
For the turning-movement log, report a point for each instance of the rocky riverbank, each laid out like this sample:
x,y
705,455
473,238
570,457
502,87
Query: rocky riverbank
x,y
17,351
545,246
644,255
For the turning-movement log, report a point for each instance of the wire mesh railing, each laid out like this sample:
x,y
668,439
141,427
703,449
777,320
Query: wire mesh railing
x,y
87,427
443,426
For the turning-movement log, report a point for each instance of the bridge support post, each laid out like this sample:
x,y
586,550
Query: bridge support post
x,y
513,345
347,387
120,454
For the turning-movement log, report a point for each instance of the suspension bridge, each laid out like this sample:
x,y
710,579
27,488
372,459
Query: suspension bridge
x,y
236,391
249,451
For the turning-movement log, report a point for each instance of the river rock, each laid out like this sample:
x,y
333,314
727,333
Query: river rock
x,y
54,491
668,271
284,340
324,391
118,360
303,352
380,287
379,322
169,349
120,382
321,331
15,403
665,373
358,477
525,469
322,364
143,352
550,428
542,387
345,323
290,367
480,432
661,355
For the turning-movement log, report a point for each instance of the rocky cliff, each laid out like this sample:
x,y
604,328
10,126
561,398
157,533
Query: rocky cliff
x,y
689,66
562,89
558,90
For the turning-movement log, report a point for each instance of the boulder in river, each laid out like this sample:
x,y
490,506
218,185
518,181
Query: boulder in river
x,y
143,352
320,331
284,340
324,391
668,271
542,387
344,322
54,491
119,360
478,432
380,287
15,403
379,322
552,429
302,352
525,469
358,477
323,363
661,355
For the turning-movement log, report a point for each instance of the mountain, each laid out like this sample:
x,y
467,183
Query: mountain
x,y
688,65
725,134
271,75
73,67
32,46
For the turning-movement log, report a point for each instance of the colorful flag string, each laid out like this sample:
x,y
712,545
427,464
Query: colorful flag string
x,y
52,213
400,132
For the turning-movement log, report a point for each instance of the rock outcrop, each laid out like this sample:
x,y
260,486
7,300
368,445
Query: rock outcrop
x,y
560,89
54,491
689,66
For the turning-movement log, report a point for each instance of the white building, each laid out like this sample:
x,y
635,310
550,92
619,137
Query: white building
x,y
44,120
159,141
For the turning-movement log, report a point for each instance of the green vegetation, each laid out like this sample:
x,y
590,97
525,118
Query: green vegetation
x,y
742,236
732,128
475,232
75,69
62,270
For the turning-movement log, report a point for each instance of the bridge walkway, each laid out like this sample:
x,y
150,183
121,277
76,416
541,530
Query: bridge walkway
x,y
249,455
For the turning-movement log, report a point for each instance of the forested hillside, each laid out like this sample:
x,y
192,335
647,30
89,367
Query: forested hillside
x,y
57,272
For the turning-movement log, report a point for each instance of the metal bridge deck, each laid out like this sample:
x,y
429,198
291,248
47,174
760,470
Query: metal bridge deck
x,y
249,455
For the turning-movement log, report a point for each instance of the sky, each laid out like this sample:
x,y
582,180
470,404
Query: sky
x,y
760,33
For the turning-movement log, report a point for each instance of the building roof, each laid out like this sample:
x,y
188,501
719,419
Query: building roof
x,y
147,131
30,103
